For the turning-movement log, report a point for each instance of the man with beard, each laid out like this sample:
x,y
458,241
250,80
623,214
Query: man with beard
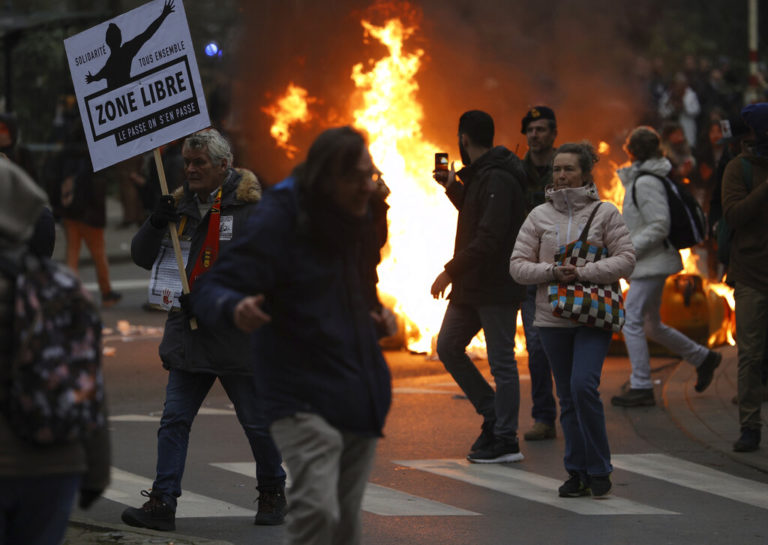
x,y
489,196
540,129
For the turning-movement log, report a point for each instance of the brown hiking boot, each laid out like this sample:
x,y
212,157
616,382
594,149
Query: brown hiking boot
x,y
540,431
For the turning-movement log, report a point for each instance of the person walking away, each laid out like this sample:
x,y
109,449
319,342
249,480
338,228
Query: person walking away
x,y
38,484
540,129
649,222
575,351
488,194
744,208
300,283
211,210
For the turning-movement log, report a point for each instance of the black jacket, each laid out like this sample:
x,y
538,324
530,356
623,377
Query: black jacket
x,y
492,207
320,352
222,348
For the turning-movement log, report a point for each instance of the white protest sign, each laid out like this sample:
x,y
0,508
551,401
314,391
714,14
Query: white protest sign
x,y
136,82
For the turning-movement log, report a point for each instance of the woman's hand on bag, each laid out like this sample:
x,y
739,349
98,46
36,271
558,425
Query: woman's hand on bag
x,y
565,273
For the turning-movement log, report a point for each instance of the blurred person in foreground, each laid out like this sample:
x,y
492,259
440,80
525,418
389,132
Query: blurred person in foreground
x,y
210,211
744,210
576,351
300,282
540,128
488,193
38,484
648,220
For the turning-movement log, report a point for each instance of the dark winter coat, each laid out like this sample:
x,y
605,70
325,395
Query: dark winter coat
x,y
320,352
744,210
492,207
218,349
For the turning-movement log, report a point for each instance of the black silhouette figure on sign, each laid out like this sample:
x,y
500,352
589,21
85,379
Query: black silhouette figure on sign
x,y
117,69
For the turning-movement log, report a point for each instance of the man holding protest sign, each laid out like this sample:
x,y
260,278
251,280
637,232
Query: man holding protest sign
x,y
209,212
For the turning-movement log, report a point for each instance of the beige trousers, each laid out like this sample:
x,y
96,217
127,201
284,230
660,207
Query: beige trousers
x,y
329,470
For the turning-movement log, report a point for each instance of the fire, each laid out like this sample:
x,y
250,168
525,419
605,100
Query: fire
x,y
603,148
289,109
421,219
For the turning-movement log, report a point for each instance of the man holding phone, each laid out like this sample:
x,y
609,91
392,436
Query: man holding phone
x,y
489,196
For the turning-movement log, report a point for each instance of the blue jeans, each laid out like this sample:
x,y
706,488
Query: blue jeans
x,y
35,510
544,408
460,324
576,355
183,396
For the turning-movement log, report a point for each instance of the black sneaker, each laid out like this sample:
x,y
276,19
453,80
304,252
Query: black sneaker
x,y
486,437
748,442
154,514
502,450
600,486
706,370
635,397
574,487
272,507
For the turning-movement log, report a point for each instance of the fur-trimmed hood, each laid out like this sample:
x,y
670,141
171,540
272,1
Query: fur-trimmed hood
x,y
248,186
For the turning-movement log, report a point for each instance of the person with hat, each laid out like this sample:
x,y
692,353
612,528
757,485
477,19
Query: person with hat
x,y
540,129
744,202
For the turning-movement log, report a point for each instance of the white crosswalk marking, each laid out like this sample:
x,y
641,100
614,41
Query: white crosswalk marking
x,y
119,285
695,476
530,486
378,499
125,488
156,418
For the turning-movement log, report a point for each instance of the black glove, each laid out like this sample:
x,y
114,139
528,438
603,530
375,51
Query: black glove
x,y
186,306
87,497
164,212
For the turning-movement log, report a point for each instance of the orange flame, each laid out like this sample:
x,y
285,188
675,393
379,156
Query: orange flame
x,y
603,148
289,109
421,219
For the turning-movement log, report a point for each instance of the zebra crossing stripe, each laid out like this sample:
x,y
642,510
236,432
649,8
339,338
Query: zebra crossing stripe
x,y
204,411
125,488
530,486
379,500
695,476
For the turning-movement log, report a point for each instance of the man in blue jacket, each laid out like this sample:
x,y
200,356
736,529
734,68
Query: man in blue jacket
x,y
303,282
211,209
489,197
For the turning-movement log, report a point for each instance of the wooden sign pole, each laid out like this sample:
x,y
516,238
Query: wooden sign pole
x,y
174,233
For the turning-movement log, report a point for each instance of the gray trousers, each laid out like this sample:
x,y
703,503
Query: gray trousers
x,y
751,328
329,470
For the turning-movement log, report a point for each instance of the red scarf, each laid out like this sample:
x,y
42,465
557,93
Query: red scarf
x,y
210,249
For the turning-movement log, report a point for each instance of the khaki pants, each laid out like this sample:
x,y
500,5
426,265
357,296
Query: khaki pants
x,y
751,329
329,470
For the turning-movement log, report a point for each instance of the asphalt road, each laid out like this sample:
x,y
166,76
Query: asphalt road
x,y
668,489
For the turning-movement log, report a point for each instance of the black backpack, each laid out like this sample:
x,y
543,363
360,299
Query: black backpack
x,y
55,392
688,224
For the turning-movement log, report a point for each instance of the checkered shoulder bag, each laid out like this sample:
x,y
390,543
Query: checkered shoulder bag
x,y
595,305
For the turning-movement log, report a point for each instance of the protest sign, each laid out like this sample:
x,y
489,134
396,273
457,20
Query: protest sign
x,y
136,82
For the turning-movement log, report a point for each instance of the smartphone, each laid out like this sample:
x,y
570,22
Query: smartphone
x,y
441,161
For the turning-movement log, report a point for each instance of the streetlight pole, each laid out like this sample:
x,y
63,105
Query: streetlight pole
x,y
752,94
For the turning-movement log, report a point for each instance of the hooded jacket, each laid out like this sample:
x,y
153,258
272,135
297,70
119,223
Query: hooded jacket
x,y
649,220
745,213
21,202
320,351
556,223
218,349
491,204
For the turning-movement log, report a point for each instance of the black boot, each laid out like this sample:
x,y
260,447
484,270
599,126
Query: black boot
x,y
272,507
155,514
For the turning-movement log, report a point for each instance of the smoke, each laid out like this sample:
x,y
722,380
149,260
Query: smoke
x,y
499,56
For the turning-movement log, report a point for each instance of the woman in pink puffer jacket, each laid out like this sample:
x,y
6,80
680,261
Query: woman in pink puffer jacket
x,y
575,351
